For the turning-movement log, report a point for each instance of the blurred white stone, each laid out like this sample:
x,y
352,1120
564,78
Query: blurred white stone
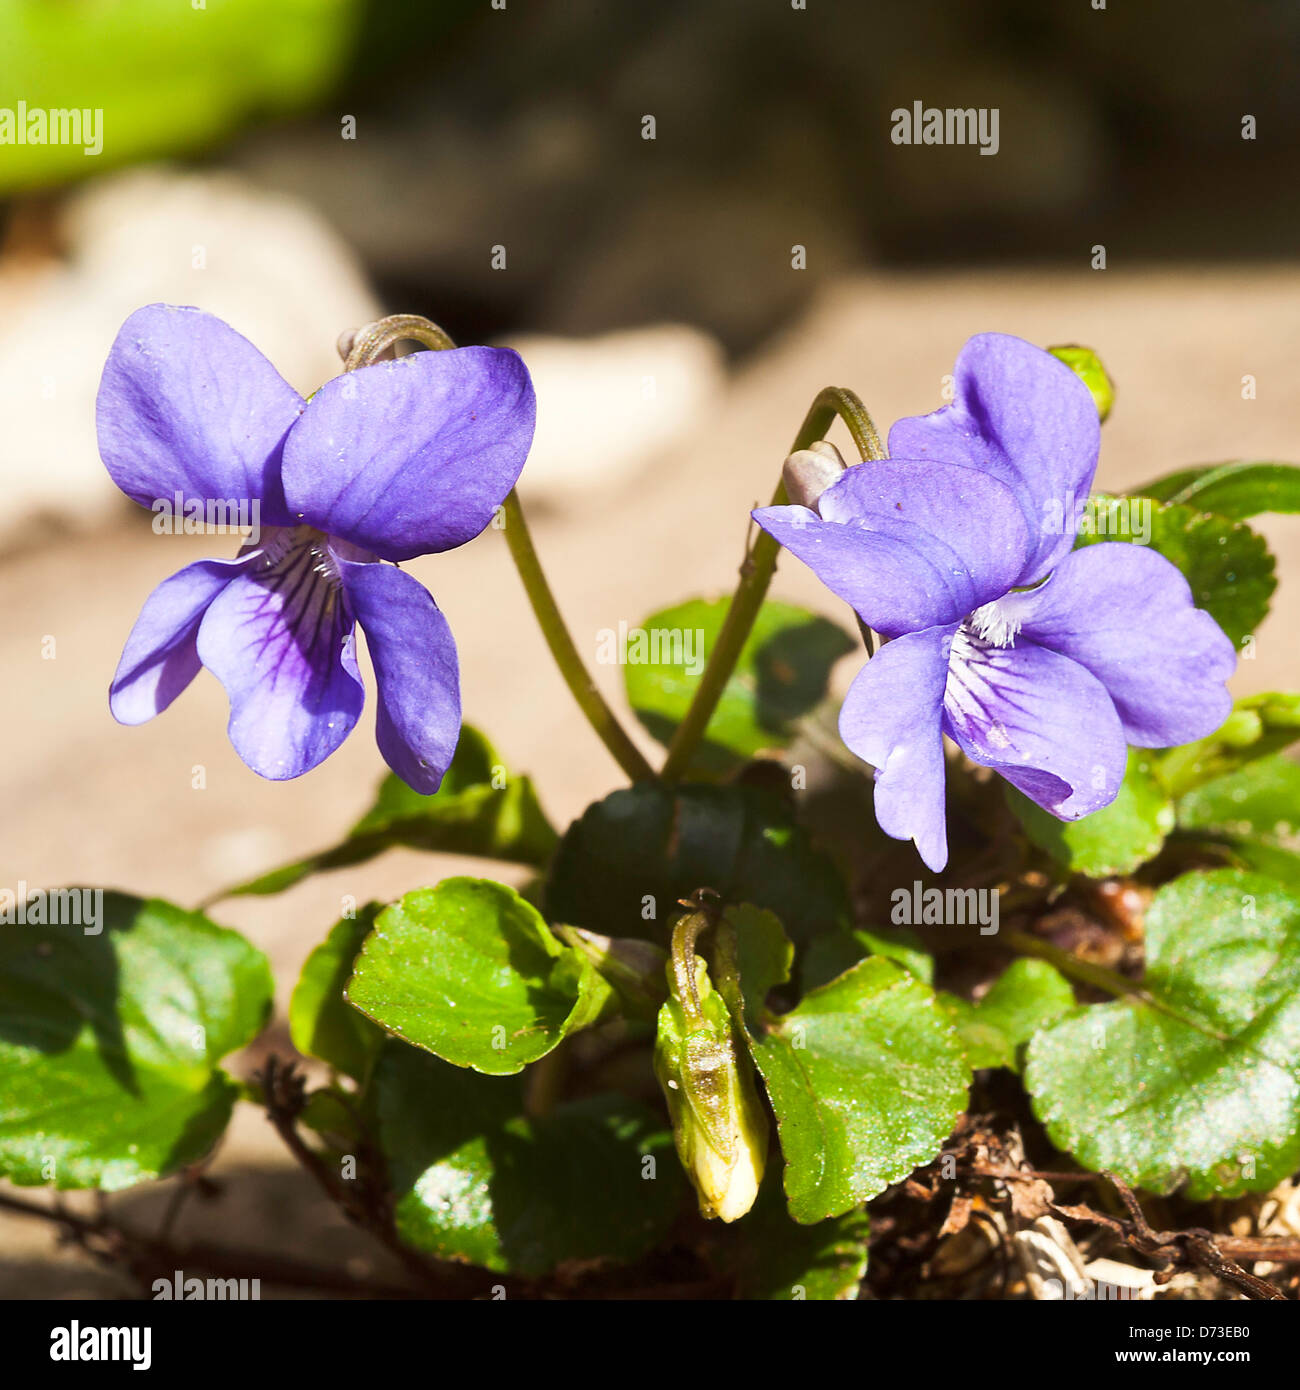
x,y
266,264
1124,1280
608,406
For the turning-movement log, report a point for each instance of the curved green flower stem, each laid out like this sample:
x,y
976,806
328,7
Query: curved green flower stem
x,y
1108,981
1085,972
838,400
703,905
366,346
590,701
756,574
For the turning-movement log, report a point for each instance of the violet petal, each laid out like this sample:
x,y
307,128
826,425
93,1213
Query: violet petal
x,y
414,656
1040,719
281,640
159,659
892,718
1127,614
187,405
1023,416
412,457
896,576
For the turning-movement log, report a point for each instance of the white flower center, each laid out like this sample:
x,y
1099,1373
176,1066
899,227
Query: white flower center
x,y
290,547
992,625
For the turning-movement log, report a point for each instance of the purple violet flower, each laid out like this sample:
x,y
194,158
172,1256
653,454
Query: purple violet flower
x,y
398,459
1037,660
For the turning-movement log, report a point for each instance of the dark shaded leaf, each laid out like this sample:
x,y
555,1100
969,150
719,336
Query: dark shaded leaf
x,y
475,1180
623,866
109,1043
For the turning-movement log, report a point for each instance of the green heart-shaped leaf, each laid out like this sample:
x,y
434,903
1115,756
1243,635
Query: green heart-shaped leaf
x,y
1026,996
470,971
1195,1079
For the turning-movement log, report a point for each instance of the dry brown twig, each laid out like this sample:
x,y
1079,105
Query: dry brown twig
x,y
1194,1247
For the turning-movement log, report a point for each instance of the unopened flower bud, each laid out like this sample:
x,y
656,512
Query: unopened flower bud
x,y
719,1125
1087,366
809,472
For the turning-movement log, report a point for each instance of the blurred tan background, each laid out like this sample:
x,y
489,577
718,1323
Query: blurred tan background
x,y
650,287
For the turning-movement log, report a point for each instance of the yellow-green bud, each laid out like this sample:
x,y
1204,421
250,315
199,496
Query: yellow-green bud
x,y
719,1124
1086,365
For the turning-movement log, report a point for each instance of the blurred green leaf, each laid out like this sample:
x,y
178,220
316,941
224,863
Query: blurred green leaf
x,y
1254,814
109,1043
333,1116
168,77
1258,801
1277,862
1196,1079
1238,489
781,675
